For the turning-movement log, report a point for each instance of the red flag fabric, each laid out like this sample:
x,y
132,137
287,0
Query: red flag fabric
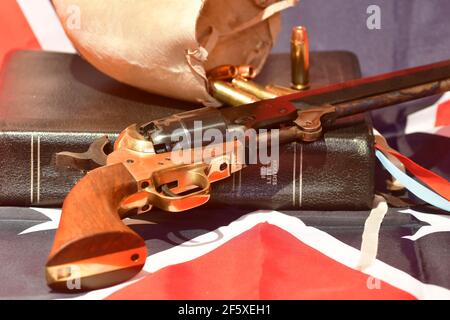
x,y
443,114
265,262
15,32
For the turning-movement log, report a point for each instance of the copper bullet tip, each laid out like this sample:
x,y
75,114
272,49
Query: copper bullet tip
x,y
299,34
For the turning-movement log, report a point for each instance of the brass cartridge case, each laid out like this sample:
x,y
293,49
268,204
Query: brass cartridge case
x,y
299,58
279,90
226,93
253,88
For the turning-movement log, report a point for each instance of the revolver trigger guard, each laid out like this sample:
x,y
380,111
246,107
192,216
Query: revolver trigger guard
x,y
187,199
197,179
168,199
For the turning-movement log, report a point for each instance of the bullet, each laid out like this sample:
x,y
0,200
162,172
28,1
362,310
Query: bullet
x,y
279,90
226,93
253,88
223,72
299,58
246,71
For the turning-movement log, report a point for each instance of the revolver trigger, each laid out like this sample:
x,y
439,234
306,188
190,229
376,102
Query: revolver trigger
x,y
93,158
166,190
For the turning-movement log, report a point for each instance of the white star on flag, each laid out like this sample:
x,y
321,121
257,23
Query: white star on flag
x,y
438,223
55,214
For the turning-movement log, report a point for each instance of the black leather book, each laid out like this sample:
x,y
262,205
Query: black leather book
x,y
53,102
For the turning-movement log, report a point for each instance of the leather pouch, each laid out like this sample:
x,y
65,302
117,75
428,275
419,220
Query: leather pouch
x,y
164,47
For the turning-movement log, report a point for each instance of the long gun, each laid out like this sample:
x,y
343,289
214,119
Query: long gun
x,y
94,247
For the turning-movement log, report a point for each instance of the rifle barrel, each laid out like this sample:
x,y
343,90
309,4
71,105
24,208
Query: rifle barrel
x,y
356,96
390,98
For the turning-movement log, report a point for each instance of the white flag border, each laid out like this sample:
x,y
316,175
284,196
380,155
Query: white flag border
x,y
44,22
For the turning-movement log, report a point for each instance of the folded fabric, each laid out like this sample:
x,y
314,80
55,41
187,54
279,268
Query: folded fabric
x,y
165,47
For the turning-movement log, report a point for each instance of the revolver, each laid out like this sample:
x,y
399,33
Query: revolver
x,y
94,246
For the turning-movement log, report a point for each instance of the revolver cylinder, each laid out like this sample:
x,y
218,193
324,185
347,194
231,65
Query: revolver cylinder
x,y
186,128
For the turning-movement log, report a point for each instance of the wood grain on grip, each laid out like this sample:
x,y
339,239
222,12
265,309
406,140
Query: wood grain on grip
x,y
92,245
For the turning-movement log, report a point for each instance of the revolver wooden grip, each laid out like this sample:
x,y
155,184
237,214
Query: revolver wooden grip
x,y
93,248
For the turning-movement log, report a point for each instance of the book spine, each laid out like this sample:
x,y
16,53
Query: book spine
x,y
335,173
29,176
